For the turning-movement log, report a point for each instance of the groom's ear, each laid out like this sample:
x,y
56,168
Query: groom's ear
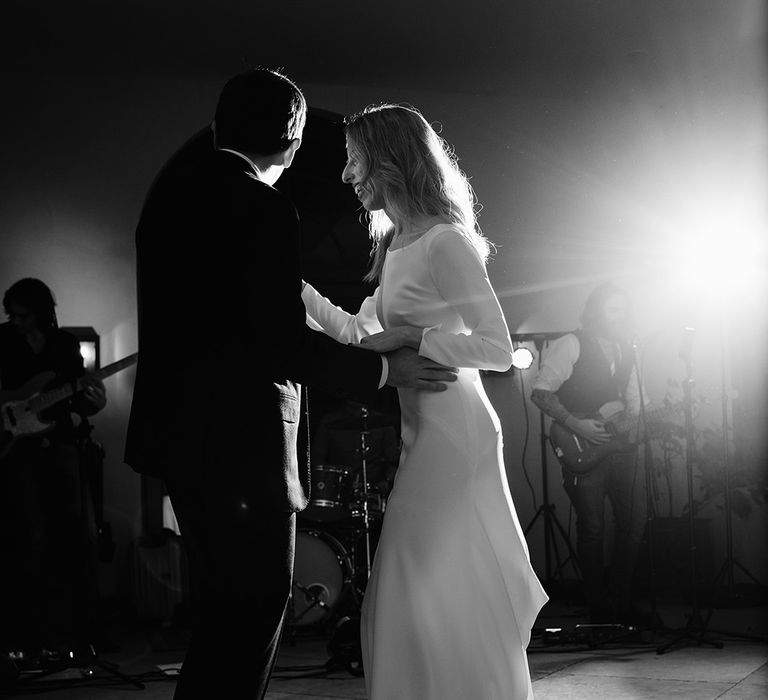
x,y
289,152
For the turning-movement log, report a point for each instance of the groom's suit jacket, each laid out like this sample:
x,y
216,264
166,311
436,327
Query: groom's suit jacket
x,y
223,344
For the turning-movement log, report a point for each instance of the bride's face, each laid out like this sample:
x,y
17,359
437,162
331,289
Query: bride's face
x,y
355,173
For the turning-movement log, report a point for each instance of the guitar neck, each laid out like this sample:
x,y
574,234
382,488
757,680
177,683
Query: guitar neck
x,y
53,396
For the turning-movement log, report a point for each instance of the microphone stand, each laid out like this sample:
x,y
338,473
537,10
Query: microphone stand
x,y
651,488
695,630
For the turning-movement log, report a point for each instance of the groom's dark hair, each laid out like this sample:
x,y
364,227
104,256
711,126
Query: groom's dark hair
x,y
259,111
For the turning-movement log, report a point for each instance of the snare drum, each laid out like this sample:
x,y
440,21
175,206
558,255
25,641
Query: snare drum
x,y
377,504
329,495
321,568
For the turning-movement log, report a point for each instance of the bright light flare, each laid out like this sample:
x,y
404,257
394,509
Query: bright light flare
x,y
88,353
522,358
719,259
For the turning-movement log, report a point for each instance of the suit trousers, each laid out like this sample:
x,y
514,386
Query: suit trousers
x,y
240,568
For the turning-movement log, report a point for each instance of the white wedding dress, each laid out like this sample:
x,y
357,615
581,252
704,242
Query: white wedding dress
x,y
452,597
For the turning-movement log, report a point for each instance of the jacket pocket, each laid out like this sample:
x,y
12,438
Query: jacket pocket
x,y
289,407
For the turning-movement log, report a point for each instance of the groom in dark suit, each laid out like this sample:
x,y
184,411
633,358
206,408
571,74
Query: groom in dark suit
x,y
223,346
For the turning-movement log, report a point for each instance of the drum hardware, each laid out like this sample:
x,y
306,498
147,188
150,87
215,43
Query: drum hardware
x,y
364,490
344,647
377,504
334,568
330,492
323,571
314,595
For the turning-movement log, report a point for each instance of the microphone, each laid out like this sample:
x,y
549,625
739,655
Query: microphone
x,y
686,344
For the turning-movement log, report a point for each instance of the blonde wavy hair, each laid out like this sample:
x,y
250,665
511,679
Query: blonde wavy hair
x,y
416,173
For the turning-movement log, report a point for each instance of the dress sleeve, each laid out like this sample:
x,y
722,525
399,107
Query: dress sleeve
x,y
462,281
332,320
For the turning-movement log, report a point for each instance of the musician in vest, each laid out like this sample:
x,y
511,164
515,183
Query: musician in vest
x,y
586,377
48,554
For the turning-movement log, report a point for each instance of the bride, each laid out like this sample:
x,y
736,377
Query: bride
x,y
452,597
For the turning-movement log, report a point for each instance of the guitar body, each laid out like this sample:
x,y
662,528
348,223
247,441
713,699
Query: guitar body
x,y
579,456
20,410
17,418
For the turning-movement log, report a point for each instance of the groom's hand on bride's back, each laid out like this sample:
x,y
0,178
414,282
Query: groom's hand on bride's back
x,y
409,370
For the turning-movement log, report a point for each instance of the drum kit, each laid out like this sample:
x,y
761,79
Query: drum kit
x,y
335,541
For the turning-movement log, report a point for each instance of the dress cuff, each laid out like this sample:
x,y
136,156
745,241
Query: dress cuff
x,y
423,338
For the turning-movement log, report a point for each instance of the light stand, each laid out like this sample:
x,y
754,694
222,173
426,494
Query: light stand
x,y
727,569
547,510
695,630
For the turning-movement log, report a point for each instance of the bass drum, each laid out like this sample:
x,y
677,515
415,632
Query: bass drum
x,y
322,567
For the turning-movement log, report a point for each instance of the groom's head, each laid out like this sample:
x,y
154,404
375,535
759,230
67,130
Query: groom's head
x,y
259,112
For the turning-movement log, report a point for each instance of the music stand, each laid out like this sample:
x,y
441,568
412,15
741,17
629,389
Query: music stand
x,y
547,510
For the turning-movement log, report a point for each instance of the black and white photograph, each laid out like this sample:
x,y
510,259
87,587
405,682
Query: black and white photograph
x,y
384,351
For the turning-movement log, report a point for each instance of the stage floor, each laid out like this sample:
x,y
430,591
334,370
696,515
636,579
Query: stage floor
x,y
573,663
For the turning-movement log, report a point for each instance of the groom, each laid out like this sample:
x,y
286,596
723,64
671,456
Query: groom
x,y
223,345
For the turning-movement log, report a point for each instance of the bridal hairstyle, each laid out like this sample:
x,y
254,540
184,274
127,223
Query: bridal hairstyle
x,y
37,297
259,111
416,173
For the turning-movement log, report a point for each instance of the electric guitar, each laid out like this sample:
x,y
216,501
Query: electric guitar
x,y
579,456
20,409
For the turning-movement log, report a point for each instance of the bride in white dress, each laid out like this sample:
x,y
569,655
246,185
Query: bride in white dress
x,y
452,597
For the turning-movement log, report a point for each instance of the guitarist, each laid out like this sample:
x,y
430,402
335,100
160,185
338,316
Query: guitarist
x,y
580,373
49,561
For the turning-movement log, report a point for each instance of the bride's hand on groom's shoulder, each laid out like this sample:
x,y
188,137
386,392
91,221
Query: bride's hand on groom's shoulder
x,y
393,339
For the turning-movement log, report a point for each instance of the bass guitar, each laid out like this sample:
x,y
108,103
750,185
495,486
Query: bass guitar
x,y
579,456
20,409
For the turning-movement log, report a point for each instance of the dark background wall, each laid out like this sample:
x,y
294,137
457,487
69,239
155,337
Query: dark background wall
x,y
617,140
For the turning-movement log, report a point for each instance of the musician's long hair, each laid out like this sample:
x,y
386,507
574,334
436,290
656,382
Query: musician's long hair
x,y
37,297
416,173
591,317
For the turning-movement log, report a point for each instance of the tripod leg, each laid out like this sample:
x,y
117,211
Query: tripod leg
x,y
533,520
573,558
744,570
696,632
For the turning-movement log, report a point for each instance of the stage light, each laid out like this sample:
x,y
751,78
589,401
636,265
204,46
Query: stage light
x,y
89,345
522,358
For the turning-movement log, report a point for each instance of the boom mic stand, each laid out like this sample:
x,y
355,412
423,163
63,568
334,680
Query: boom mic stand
x,y
695,630
547,510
